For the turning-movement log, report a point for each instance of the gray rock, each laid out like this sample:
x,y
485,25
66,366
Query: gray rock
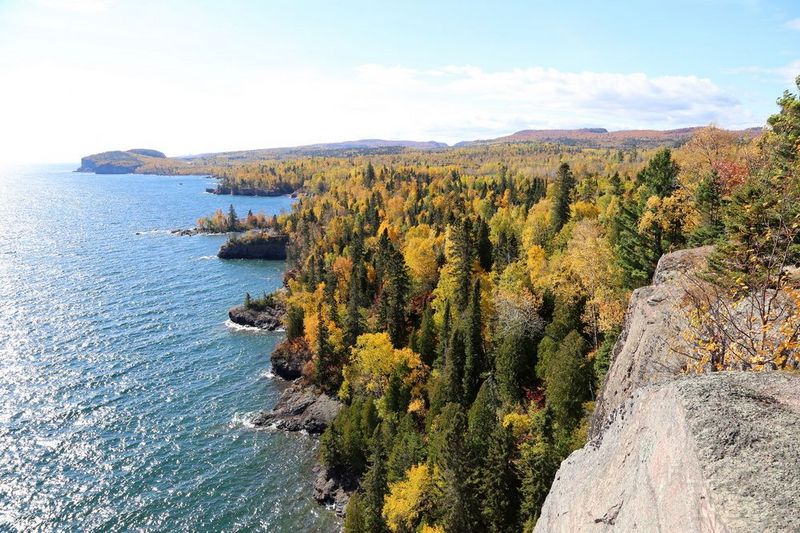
x,y
333,490
652,346
716,452
300,408
269,318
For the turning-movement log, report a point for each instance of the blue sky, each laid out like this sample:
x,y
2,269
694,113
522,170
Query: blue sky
x,y
80,76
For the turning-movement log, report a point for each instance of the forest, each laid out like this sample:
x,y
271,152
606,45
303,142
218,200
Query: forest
x,y
463,304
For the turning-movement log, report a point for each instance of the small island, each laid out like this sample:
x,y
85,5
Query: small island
x,y
255,245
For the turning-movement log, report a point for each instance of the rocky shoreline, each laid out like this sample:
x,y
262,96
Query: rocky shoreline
x,y
269,318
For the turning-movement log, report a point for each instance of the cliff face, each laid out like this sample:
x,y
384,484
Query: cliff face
x,y
675,452
271,247
649,348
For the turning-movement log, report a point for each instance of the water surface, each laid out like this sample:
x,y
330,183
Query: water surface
x,y
122,392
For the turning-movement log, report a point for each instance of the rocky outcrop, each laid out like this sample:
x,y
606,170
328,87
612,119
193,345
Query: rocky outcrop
x,y
290,357
269,318
301,408
269,247
333,489
716,452
651,346
671,451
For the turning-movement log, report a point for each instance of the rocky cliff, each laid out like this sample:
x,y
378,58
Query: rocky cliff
x,y
271,247
676,452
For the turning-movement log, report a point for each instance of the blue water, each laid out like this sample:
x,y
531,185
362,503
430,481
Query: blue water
x,y
122,391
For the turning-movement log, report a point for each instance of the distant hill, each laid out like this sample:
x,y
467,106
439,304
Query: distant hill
x,y
602,138
119,162
154,162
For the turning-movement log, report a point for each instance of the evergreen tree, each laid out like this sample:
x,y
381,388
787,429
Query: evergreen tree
x,y
708,201
295,318
484,246
452,389
463,256
568,381
375,488
565,184
232,220
500,483
538,464
449,455
355,520
474,355
482,420
426,340
659,177
396,294
444,336
247,301
510,365
328,372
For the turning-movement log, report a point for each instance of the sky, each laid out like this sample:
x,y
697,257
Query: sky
x,y
195,76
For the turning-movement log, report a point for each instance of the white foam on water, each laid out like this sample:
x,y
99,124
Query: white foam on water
x,y
238,327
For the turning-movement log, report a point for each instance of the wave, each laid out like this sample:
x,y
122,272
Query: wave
x,y
267,374
244,420
154,232
238,327
206,257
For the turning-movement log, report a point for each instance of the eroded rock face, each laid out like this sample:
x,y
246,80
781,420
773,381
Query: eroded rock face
x,y
270,318
301,408
717,452
652,345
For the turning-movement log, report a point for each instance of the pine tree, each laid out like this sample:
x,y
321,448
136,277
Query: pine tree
x,y
500,486
659,177
463,249
474,355
396,293
247,301
565,184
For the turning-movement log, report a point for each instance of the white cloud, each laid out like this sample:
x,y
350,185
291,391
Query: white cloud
x,y
786,73
794,24
56,113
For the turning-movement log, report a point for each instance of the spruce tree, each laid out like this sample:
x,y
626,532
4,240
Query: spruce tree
x,y
484,246
539,462
232,220
510,365
474,355
500,483
355,520
568,381
426,340
482,420
565,184
444,336
453,375
327,368
375,488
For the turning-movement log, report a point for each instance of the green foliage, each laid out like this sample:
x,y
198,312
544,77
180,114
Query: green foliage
x,y
565,184
568,380
474,355
295,317
500,483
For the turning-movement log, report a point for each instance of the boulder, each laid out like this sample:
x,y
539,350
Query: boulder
x,y
715,452
333,489
301,408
